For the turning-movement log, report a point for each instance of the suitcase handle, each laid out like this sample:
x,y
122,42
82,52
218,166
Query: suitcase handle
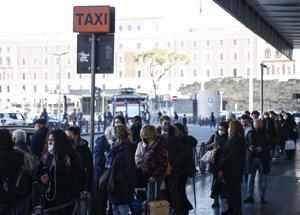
x,y
155,190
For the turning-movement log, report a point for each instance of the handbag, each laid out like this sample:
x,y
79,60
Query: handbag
x,y
111,181
103,181
208,156
290,145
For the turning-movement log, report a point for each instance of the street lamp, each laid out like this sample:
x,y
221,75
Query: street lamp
x,y
59,86
221,101
103,100
262,66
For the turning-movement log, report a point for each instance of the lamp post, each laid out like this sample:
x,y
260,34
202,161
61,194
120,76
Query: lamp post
x,y
103,100
262,87
59,86
221,101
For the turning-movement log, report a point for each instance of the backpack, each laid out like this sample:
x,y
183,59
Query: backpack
x,y
31,161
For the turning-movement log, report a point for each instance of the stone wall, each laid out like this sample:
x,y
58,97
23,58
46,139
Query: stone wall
x,y
277,95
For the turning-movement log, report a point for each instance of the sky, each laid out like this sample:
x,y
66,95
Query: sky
x,y
49,16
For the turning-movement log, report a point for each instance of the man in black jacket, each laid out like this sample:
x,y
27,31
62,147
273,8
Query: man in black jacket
x,y
258,160
38,139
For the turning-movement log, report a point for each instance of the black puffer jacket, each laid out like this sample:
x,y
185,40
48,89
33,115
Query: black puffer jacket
x,y
10,162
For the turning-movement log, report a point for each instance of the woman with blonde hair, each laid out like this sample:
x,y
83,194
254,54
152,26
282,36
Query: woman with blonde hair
x,y
123,168
154,160
232,167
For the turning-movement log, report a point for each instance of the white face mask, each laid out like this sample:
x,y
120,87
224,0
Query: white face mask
x,y
285,117
51,149
221,132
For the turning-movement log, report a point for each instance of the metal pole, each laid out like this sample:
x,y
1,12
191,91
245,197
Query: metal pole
x,y
262,66
59,95
93,47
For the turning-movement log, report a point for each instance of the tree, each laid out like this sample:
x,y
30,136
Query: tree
x,y
157,63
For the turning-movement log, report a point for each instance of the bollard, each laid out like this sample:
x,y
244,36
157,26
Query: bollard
x,y
98,125
202,152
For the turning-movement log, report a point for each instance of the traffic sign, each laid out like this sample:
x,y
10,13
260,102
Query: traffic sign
x,y
91,19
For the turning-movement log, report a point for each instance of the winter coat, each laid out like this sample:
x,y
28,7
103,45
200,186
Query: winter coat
x,y
38,141
289,131
100,148
68,177
188,167
141,148
155,160
10,162
233,160
257,138
123,168
87,163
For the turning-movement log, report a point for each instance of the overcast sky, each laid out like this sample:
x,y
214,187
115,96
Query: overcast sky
x,y
43,16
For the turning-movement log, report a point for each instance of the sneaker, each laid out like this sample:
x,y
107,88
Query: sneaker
x,y
249,200
215,205
262,201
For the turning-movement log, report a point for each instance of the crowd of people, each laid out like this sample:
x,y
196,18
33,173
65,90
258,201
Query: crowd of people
x,y
241,148
130,162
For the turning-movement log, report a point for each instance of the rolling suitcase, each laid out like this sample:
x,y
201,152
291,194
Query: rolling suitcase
x,y
155,207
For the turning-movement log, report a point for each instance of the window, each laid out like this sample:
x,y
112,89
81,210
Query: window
x,y
195,44
268,71
138,27
195,57
24,88
207,72
120,46
68,61
195,72
120,74
129,28
248,72
181,73
120,60
235,56
234,42
139,74
23,62
1,61
221,42
288,70
46,88
248,55
221,56
207,57
34,76
138,45
120,28
267,54
7,49
277,54
23,76
207,43
7,89
69,75
234,72
169,87
34,88
8,61
46,61
278,70
221,72
139,86
182,44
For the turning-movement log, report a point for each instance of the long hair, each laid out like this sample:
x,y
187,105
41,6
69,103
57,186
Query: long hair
x,y
62,145
236,129
122,134
121,118
149,131
181,130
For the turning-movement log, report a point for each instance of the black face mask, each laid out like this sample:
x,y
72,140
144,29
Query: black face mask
x,y
146,141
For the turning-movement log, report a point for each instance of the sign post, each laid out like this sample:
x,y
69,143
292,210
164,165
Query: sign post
x,y
94,22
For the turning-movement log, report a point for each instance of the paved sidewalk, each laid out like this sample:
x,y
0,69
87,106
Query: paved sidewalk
x,y
282,195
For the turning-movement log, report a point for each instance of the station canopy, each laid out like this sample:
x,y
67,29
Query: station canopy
x,y
276,21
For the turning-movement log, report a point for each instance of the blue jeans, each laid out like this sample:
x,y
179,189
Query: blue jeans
x,y
257,165
120,209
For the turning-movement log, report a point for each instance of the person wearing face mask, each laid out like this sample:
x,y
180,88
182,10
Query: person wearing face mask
x,y
154,160
269,130
289,132
217,142
60,173
279,131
